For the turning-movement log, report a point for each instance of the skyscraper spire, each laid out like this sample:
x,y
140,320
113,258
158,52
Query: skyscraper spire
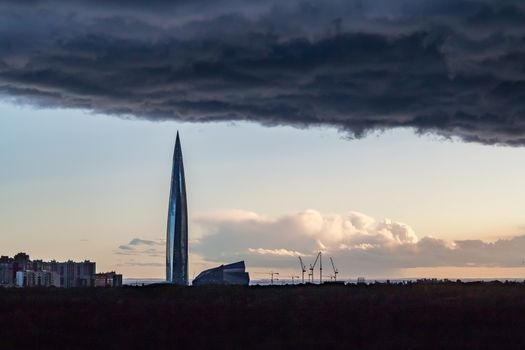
x,y
177,230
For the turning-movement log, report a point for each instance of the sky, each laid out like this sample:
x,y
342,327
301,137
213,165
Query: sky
x,y
388,134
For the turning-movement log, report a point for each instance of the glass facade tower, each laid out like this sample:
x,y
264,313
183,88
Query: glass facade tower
x,y
177,230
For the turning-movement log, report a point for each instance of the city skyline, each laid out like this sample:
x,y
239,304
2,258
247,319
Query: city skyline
x,y
388,134
22,271
123,218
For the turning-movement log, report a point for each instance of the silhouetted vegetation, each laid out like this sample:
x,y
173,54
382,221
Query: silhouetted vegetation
x,y
381,316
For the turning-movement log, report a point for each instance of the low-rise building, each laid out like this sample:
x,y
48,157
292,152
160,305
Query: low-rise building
x,y
231,274
108,279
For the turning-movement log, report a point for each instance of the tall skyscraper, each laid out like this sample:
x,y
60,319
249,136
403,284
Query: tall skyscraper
x,y
177,231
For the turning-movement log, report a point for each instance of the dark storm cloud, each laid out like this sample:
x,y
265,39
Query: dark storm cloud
x,y
452,67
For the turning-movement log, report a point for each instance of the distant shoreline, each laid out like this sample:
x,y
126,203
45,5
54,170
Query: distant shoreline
x,y
263,282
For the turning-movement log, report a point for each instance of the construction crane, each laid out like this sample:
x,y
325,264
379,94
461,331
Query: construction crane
x,y
303,268
312,267
271,273
293,279
336,271
320,268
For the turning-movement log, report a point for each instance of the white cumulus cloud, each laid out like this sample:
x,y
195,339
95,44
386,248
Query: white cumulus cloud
x,y
359,243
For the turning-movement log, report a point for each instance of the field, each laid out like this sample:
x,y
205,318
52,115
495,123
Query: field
x,y
380,316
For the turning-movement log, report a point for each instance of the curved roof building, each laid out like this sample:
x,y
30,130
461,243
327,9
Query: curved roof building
x,y
231,274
